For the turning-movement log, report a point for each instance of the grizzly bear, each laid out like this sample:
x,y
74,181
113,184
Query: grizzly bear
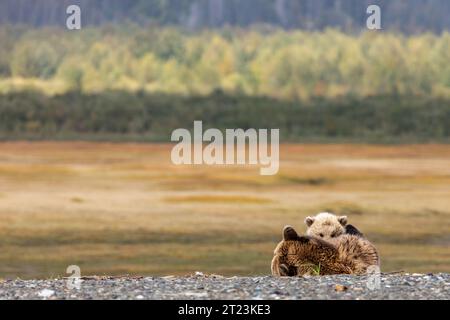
x,y
301,255
328,226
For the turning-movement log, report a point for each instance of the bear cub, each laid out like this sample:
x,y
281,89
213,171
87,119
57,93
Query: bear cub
x,y
329,226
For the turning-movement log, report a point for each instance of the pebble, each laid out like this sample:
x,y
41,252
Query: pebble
x,y
46,293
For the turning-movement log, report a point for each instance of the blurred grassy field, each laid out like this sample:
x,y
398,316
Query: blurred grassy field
x,y
125,209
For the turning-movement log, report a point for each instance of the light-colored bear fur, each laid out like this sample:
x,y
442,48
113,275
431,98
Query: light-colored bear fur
x,y
300,255
326,225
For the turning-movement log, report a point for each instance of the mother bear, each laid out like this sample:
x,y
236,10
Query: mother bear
x,y
301,255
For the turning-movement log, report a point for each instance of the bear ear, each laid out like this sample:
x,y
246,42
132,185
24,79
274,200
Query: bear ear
x,y
309,221
342,220
289,233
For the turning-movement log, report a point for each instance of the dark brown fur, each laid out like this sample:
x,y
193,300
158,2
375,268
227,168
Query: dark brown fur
x,y
300,255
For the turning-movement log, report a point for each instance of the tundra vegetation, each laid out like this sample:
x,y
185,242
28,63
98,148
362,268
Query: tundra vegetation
x,y
114,208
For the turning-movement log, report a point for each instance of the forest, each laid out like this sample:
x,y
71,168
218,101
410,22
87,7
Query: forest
x,y
408,16
138,69
259,61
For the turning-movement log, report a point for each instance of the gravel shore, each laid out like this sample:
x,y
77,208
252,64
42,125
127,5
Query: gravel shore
x,y
199,286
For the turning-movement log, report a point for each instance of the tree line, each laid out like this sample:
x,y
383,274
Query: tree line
x,y
257,61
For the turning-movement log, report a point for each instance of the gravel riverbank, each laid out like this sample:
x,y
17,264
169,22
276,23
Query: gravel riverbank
x,y
199,286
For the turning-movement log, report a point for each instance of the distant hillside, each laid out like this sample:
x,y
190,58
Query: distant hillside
x,y
409,16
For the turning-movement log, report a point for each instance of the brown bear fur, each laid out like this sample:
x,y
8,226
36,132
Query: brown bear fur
x,y
300,255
